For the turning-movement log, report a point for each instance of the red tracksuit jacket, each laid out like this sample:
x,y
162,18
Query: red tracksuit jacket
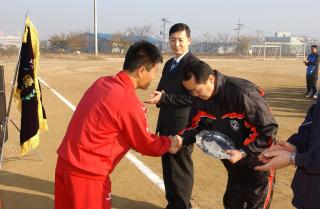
x,y
108,121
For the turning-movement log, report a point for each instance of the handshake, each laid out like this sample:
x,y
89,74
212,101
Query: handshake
x,y
176,144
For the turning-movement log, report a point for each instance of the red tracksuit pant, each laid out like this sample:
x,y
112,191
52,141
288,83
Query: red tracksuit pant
x,y
77,189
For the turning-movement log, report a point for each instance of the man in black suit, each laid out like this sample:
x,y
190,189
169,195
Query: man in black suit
x,y
174,102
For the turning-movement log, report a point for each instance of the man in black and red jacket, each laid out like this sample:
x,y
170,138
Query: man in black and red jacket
x,y
235,107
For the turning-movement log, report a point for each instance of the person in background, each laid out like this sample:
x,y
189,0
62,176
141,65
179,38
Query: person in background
x,y
174,102
312,64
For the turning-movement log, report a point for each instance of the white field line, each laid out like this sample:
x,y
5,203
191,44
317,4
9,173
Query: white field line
x,y
139,164
69,104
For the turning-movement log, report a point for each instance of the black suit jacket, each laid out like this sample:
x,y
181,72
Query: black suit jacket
x,y
175,103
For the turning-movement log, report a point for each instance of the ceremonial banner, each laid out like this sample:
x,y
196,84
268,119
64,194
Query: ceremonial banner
x,y
28,92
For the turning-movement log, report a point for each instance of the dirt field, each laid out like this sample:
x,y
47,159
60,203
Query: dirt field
x,y
28,183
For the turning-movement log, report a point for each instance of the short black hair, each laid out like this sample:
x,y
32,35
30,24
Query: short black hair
x,y
141,53
199,69
314,46
180,27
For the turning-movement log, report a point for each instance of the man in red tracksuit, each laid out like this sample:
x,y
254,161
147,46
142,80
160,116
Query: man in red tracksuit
x,y
108,122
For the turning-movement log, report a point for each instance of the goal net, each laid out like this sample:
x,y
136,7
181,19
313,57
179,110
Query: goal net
x,y
277,50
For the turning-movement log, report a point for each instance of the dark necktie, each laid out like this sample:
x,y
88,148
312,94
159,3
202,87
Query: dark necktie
x,y
173,66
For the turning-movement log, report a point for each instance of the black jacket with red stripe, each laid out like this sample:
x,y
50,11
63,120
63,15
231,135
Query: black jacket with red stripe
x,y
239,110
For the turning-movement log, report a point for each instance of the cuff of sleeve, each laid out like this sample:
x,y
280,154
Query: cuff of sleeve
x,y
299,159
292,140
187,142
159,104
184,142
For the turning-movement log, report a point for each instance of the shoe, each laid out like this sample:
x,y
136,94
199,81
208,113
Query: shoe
x,y
315,96
309,95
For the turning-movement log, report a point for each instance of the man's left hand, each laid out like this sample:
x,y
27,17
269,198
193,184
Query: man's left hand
x,y
235,155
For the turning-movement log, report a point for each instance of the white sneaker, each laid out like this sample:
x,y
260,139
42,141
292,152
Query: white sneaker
x,y
315,96
309,95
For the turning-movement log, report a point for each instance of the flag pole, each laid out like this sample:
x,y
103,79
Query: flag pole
x,y
5,125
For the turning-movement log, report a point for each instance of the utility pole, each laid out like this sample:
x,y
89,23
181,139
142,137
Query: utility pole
x,y
164,21
95,28
239,27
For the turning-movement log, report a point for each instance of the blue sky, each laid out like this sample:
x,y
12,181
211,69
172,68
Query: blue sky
x,y
213,16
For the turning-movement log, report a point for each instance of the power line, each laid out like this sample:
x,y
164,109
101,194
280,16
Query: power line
x,y
239,27
164,21
95,28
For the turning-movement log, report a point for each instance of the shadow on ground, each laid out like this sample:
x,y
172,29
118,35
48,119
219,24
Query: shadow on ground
x,y
288,101
16,180
25,200
19,191
125,203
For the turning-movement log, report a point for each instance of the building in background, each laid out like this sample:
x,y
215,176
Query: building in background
x,y
282,44
7,41
290,45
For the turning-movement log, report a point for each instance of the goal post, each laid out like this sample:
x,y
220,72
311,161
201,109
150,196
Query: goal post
x,y
265,51
277,50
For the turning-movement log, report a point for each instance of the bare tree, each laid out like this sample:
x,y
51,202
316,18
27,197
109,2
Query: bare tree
x,y
58,43
119,43
44,46
140,32
245,42
207,39
77,41
259,38
9,50
226,40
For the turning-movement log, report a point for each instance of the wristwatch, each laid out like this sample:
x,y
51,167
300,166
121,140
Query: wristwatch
x,y
243,153
292,158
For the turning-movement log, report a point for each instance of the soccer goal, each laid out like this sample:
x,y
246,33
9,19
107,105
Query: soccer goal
x,y
265,51
277,50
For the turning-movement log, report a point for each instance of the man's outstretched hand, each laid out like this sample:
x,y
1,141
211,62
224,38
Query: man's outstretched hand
x,y
278,158
281,145
155,97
